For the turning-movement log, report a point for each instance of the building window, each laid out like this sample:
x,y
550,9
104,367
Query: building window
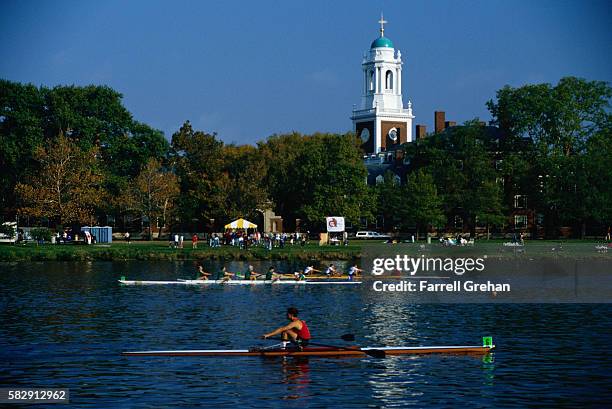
x,y
371,81
500,181
520,201
389,80
479,223
363,221
458,222
380,221
379,179
498,164
397,180
520,221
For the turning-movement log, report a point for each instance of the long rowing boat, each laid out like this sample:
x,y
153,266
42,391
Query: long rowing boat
x,y
321,351
240,282
316,277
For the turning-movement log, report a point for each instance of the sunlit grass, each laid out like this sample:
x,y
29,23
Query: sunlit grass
x,y
160,250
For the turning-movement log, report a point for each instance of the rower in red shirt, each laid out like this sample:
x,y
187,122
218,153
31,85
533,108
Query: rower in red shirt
x,y
295,332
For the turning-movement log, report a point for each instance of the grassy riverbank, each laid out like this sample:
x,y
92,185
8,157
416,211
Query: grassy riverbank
x,y
153,250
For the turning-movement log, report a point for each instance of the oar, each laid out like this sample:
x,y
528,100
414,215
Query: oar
x,y
374,353
345,337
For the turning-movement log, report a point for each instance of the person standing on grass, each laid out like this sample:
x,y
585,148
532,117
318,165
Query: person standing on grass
x,y
126,236
194,241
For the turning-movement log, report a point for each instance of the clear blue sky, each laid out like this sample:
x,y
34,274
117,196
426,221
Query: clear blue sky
x,y
248,69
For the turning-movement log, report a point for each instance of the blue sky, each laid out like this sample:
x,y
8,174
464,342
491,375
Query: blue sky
x,y
248,69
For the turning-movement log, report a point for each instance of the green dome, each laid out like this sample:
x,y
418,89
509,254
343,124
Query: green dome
x,y
382,42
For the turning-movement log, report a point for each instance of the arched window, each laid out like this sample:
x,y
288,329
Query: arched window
x,y
379,179
389,80
371,82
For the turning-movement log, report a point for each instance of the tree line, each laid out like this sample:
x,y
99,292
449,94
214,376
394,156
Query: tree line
x,y
75,155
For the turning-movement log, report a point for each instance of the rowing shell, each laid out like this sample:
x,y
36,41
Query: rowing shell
x,y
237,282
320,351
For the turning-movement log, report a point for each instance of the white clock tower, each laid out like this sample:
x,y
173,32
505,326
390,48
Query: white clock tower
x,y
382,121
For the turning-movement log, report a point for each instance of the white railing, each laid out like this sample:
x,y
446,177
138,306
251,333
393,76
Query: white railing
x,y
358,112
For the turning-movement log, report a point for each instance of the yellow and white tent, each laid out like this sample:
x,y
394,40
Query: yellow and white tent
x,y
241,224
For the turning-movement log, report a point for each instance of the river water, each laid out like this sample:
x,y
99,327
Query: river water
x,y
64,325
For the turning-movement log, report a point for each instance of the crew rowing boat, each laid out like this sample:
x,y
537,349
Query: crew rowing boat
x,y
239,282
322,351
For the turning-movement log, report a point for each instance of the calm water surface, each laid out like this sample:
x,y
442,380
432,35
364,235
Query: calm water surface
x,y
64,325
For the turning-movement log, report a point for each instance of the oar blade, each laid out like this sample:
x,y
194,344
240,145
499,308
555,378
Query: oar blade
x,y
375,353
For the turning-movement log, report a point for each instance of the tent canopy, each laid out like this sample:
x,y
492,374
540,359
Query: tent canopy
x,y
241,224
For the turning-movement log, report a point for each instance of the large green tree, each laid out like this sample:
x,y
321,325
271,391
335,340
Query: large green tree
x,y
462,164
333,178
152,194
90,116
21,133
68,187
313,176
556,122
244,174
598,170
279,155
423,206
391,202
197,159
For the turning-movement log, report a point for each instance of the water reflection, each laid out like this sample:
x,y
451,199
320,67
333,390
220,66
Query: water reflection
x,y
391,322
296,375
488,369
394,380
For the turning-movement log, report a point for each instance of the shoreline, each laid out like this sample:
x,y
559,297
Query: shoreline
x,y
143,251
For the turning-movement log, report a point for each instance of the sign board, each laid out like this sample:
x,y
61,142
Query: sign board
x,y
335,224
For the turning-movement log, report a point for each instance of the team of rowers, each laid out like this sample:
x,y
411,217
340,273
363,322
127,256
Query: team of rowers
x,y
273,275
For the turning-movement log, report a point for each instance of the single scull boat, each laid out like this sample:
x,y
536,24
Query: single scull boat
x,y
321,351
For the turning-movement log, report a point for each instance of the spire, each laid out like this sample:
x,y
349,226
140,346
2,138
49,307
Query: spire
x,y
382,25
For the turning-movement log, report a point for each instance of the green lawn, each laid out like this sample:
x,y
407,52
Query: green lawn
x,y
159,250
